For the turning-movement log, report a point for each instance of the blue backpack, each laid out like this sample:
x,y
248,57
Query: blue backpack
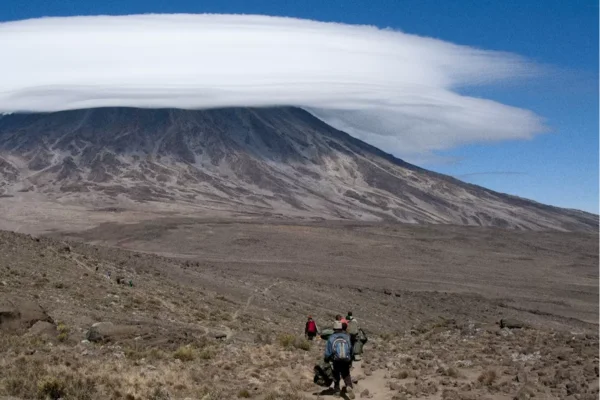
x,y
341,349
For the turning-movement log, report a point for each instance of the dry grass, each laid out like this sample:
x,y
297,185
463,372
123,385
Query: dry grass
x,y
452,372
184,353
488,377
401,374
177,355
51,388
63,332
289,341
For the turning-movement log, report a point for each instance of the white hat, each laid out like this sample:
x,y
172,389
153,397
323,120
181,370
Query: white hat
x,y
337,326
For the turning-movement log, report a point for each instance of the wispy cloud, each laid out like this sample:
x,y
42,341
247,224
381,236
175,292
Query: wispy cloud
x,y
488,173
391,89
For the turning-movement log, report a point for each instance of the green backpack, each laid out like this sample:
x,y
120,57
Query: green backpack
x,y
323,374
325,333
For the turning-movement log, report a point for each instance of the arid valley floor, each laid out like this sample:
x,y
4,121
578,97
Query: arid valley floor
x,y
217,310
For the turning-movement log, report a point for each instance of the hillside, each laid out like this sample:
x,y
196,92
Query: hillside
x,y
223,318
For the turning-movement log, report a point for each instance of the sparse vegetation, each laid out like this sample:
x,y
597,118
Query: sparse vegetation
x,y
289,341
184,353
51,388
488,377
207,354
402,374
302,344
286,340
63,332
452,372
259,357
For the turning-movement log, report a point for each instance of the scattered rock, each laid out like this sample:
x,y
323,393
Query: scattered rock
x,y
572,388
219,335
43,328
526,392
449,394
511,323
364,393
107,331
387,292
505,332
19,315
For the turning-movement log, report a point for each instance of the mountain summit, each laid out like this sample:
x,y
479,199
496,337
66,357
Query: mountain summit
x,y
270,161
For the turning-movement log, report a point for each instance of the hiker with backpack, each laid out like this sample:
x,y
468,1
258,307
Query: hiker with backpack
x,y
338,351
352,328
311,329
358,337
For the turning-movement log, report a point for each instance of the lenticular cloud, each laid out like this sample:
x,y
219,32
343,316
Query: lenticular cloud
x,y
394,90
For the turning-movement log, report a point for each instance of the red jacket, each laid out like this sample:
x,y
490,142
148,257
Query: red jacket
x,y
308,323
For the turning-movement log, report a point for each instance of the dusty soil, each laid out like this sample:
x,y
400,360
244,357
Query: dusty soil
x,y
217,309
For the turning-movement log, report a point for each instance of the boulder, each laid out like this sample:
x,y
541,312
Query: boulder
x,y
43,328
109,332
511,323
219,335
16,316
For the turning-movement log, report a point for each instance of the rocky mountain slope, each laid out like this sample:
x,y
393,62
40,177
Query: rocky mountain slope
x,y
269,161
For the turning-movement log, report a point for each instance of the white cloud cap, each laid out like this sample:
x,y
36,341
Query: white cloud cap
x,y
389,88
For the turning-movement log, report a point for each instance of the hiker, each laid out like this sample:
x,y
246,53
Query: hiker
x,y
338,351
311,330
353,328
343,320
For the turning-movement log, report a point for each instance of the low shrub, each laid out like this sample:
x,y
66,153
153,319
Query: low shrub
x,y
184,353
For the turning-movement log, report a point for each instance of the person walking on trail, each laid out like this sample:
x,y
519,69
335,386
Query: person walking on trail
x,y
311,329
353,328
338,351
343,320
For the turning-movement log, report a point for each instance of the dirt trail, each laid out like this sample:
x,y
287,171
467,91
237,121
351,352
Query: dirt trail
x,y
376,385
248,302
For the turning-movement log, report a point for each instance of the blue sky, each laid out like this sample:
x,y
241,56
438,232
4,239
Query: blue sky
x,y
559,167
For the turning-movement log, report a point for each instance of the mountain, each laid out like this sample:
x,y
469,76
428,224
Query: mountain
x,y
269,161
